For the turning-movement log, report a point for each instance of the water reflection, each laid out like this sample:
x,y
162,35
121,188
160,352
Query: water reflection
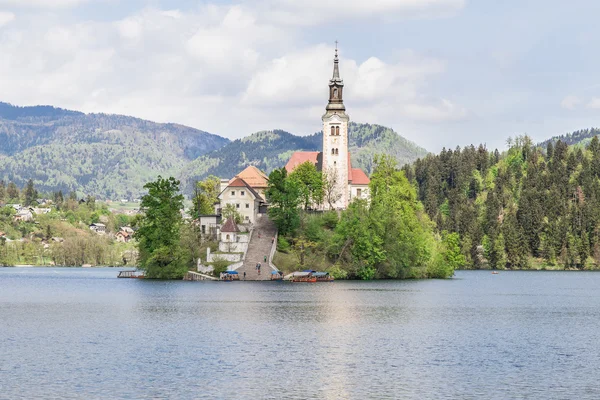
x,y
74,333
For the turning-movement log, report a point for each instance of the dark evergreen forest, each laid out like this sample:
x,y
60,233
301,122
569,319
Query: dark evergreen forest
x,y
528,207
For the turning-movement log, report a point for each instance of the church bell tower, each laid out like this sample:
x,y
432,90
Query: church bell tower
x,y
335,137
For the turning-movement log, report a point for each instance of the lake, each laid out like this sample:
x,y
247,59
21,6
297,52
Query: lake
x,y
84,334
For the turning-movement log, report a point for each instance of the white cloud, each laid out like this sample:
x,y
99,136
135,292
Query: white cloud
x,y
299,80
570,102
594,103
6,18
309,12
220,68
41,3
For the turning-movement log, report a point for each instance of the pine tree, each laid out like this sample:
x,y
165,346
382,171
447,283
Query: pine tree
x,y
12,192
30,193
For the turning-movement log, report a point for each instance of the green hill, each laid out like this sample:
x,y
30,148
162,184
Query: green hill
x,y
268,150
110,156
113,156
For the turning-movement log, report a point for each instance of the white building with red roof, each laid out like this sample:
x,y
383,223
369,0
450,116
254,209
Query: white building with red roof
x,y
246,199
346,183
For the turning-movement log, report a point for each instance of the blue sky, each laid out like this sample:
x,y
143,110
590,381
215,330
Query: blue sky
x,y
440,72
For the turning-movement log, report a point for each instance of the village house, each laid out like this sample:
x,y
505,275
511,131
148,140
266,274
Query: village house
x,y
41,211
246,200
24,215
98,228
123,237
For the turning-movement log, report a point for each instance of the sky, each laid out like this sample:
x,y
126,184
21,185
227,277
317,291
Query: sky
x,y
442,73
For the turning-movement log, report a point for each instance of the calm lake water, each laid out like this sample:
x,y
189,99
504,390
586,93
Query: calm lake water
x,y
84,334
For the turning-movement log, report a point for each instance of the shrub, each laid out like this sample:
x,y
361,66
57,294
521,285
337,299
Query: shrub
x,y
337,272
220,265
283,245
330,219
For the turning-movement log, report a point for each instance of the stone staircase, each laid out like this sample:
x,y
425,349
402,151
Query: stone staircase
x,y
259,247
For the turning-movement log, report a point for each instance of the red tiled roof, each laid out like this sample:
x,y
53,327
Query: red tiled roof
x,y
359,177
230,226
253,177
237,182
300,157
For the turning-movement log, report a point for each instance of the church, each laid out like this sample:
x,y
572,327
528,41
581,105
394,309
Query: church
x,y
343,183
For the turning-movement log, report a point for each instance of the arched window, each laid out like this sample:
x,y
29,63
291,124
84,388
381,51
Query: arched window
x,y
337,151
335,93
332,151
337,131
227,237
332,130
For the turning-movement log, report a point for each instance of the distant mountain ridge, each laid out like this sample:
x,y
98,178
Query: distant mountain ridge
x,y
113,156
109,156
581,137
268,150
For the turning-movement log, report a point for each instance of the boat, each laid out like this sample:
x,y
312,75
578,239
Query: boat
x,y
323,276
276,276
495,272
303,276
310,276
230,276
131,274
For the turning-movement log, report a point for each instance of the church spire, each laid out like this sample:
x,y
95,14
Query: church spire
x,y
336,61
336,86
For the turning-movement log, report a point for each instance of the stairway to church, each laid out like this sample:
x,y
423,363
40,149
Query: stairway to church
x,y
258,248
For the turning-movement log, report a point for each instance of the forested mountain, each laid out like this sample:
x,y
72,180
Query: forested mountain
x,y
113,156
110,156
268,150
581,137
527,207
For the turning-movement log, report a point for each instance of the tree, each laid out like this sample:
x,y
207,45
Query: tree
x,y
284,196
453,256
331,191
356,229
90,201
390,236
30,194
205,196
59,199
2,190
12,192
229,211
310,184
160,251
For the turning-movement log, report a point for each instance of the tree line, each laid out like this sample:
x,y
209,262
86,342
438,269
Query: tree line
x,y
528,207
